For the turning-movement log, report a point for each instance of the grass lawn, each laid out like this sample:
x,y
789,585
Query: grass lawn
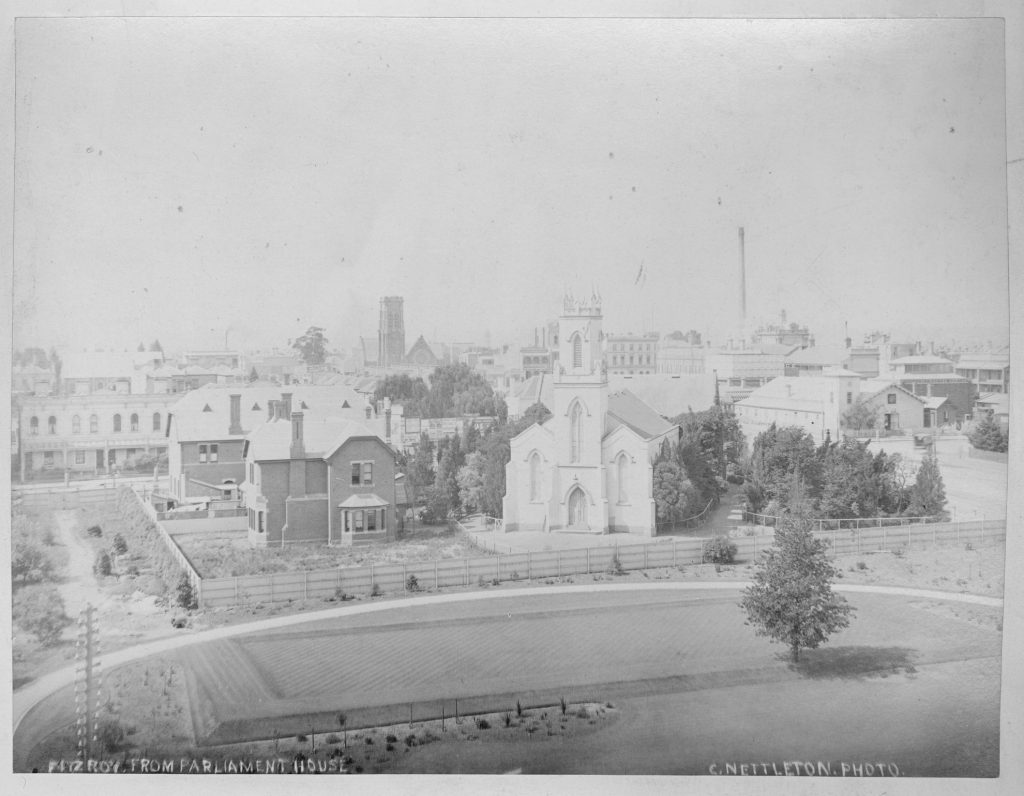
x,y
229,555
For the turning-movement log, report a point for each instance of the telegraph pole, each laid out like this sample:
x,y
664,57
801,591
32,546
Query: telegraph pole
x,y
87,681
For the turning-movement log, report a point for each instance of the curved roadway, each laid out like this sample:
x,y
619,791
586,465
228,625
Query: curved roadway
x,y
617,638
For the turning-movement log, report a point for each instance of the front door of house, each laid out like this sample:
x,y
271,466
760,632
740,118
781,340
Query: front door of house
x,y
578,509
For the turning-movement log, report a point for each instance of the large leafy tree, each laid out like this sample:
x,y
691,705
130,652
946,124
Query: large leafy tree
x,y
312,346
403,389
674,494
928,492
777,456
860,415
40,610
717,436
791,599
470,478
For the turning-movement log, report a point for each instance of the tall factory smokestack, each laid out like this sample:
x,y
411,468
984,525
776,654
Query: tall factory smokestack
x,y
743,284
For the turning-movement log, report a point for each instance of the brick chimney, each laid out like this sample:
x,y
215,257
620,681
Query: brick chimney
x,y
286,405
236,415
270,409
297,449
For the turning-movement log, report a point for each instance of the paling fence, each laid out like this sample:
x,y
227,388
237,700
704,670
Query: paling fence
x,y
64,498
548,564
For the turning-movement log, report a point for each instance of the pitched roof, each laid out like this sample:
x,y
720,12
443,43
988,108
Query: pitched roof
x,y
818,355
191,423
784,392
320,437
624,408
921,359
536,389
667,394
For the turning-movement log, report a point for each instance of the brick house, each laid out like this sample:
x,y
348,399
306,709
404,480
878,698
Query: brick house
x,y
322,480
207,429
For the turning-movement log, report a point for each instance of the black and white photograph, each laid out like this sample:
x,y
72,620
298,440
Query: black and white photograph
x,y
621,391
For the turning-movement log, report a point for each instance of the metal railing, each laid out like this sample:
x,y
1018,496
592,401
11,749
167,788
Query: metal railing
x,y
839,523
690,522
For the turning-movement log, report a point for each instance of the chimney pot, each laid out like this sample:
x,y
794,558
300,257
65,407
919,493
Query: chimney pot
x,y
297,449
235,426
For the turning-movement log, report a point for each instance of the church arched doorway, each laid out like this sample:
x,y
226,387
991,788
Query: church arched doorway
x,y
578,509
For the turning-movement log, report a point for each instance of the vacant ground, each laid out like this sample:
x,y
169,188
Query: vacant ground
x,y
130,609
903,684
228,555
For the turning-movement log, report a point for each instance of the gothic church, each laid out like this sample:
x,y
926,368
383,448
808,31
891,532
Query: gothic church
x,y
588,468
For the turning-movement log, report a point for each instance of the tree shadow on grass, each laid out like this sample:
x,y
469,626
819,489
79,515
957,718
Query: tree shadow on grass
x,y
855,663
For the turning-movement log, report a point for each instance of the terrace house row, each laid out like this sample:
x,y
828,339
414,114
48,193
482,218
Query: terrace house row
x,y
87,434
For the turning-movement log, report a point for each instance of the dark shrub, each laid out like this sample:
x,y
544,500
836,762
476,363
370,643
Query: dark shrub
x,y
94,530
102,564
412,583
719,550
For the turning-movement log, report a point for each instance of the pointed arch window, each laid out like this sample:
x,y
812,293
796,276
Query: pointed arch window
x,y
534,477
576,432
622,473
577,351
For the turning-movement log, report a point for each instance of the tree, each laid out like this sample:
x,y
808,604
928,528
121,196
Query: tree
x,y
988,435
253,375
470,478
860,415
155,346
422,469
101,566
717,437
673,492
312,346
779,453
342,720
40,611
142,347
928,492
445,484
30,561
186,594
791,599
119,545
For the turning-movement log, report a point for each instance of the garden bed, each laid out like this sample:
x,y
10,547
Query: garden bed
x,y
229,555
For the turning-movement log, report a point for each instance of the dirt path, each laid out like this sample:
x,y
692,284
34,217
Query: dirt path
x,y
79,585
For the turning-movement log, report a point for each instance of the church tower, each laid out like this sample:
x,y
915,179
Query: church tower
x,y
580,397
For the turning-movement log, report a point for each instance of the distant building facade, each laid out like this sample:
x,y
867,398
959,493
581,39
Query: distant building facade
x,y
631,354
88,434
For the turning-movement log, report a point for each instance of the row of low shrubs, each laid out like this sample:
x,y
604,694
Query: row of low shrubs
x,y
145,535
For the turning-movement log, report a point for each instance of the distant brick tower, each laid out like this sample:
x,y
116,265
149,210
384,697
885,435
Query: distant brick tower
x,y
391,331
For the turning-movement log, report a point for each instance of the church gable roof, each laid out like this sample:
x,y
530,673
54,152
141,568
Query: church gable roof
x,y
624,408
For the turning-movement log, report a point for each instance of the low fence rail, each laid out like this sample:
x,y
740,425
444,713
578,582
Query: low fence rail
x,y
670,552
690,522
829,524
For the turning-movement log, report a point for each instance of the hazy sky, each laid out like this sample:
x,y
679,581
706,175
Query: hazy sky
x,y
179,177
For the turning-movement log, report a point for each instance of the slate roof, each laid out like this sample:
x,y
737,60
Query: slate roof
x,y
320,436
624,408
191,423
667,394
